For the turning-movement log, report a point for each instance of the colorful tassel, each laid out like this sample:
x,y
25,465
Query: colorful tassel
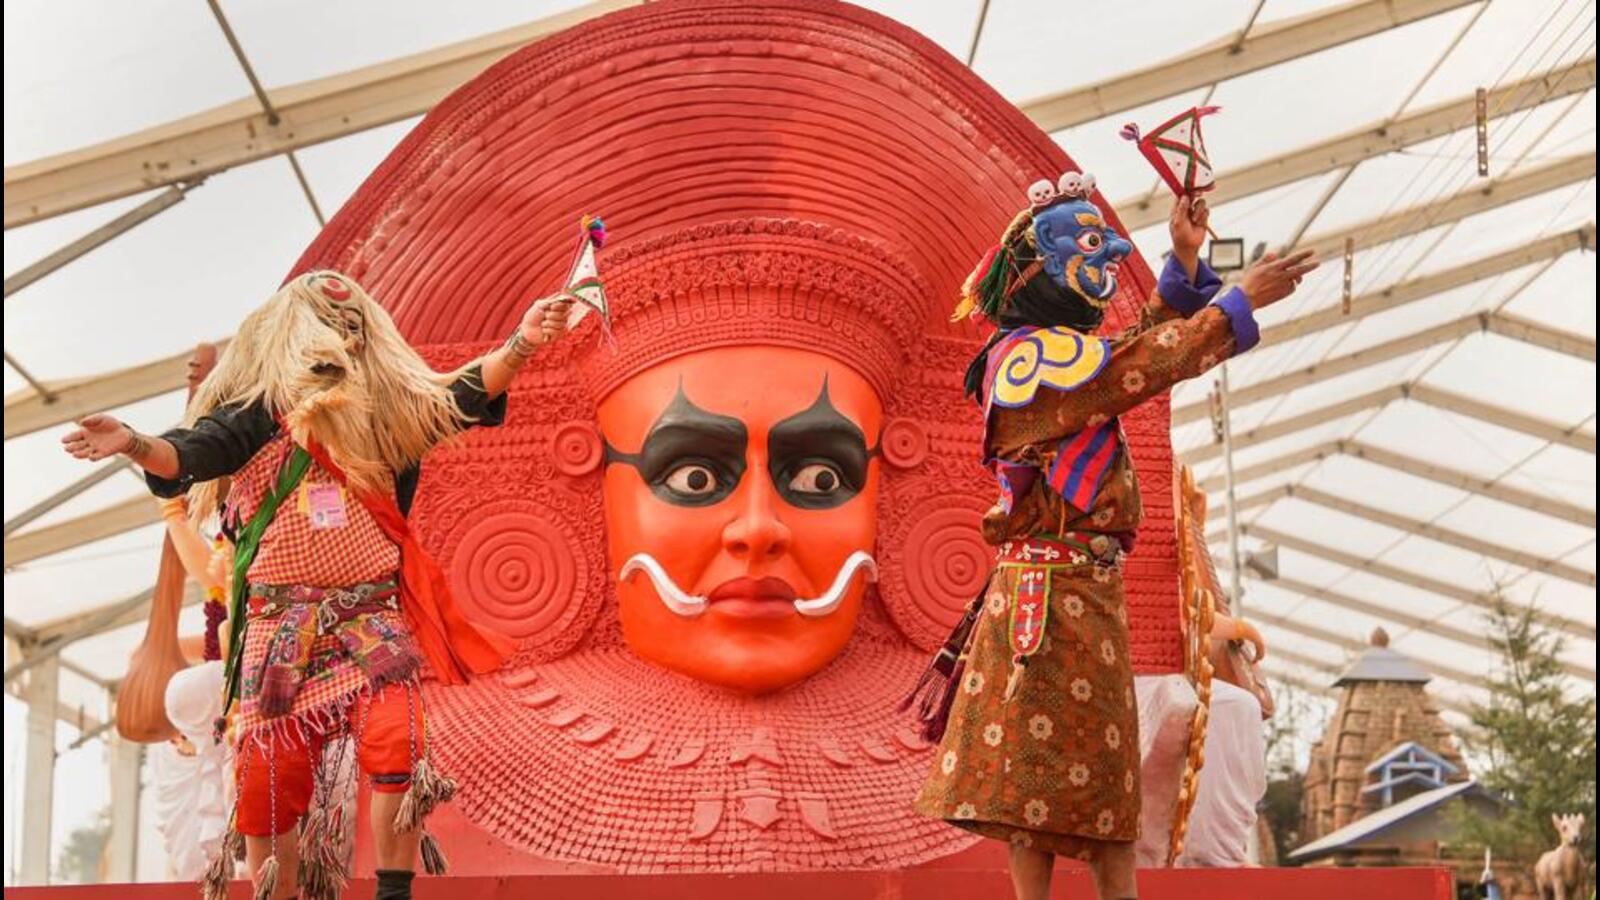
x,y
1129,132
991,288
267,879
313,830
969,288
214,883
597,230
324,864
427,790
433,860
935,692
323,872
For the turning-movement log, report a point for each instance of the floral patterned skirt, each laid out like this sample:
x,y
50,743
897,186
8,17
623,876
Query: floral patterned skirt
x,y
332,665
1056,766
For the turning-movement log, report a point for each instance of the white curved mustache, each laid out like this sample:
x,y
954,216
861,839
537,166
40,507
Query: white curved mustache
x,y
689,605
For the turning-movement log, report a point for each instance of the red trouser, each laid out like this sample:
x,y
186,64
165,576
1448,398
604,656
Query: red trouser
x,y
383,732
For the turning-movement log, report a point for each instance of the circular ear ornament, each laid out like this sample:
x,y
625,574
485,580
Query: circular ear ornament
x,y
515,568
904,443
935,560
576,448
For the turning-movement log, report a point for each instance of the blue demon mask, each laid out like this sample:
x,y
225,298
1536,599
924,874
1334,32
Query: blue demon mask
x,y
1080,250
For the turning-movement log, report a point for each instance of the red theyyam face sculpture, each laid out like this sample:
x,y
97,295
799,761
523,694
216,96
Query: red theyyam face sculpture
x,y
740,494
727,534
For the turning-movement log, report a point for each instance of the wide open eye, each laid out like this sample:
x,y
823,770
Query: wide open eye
x,y
1091,241
817,480
691,480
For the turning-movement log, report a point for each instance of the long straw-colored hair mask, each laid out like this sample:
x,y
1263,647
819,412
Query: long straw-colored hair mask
x,y
328,361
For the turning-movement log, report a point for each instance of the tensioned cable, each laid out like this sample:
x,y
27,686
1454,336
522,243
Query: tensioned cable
x,y
1504,138
1376,266
1397,249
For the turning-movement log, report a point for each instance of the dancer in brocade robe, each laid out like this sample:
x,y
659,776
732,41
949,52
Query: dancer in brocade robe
x,y
1041,747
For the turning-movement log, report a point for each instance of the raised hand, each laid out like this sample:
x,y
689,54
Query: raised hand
x,y
1186,225
98,437
1273,278
546,320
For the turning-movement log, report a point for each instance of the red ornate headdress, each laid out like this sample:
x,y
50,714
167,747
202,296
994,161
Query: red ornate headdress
x,y
849,169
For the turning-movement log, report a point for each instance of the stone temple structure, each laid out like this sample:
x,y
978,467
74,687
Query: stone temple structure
x,y
1363,762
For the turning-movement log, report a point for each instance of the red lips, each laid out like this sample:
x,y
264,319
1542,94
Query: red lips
x,y
754,597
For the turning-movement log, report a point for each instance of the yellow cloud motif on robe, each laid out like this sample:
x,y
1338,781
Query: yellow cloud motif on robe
x,y
1055,357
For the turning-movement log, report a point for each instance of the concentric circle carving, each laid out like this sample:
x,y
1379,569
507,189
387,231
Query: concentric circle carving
x,y
941,561
518,573
905,443
576,448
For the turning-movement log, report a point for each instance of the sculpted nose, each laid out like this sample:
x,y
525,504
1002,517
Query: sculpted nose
x,y
757,533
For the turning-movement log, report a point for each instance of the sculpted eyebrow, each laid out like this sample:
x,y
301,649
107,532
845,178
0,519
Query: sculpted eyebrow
x,y
1090,219
819,430
685,430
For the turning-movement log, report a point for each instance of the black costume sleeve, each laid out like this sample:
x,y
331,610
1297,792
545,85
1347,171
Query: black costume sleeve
x,y
476,408
218,444
475,404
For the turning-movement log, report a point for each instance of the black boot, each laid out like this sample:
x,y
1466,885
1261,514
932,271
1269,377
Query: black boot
x,y
394,884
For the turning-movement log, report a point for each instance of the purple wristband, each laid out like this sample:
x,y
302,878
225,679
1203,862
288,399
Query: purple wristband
x,y
1246,333
1185,297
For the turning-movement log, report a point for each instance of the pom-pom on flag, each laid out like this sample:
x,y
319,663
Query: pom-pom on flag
x,y
1178,151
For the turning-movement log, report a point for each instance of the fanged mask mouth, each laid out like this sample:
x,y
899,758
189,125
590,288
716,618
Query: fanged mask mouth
x,y
689,605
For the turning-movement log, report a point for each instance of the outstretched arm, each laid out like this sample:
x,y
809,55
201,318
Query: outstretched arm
x,y
219,443
543,323
1155,360
1152,361
99,437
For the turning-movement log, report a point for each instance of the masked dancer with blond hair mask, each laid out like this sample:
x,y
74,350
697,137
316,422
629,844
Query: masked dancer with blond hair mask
x,y
1041,745
319,413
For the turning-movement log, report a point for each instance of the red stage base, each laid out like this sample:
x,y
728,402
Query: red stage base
x,y
922,884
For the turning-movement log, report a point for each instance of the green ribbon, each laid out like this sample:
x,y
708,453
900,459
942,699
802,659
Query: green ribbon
x,y
244,553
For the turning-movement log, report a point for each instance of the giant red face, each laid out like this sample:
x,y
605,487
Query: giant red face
x,y
740,495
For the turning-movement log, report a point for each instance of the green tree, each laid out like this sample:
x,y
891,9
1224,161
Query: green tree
x,y
1297,715
1537,741
78,861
